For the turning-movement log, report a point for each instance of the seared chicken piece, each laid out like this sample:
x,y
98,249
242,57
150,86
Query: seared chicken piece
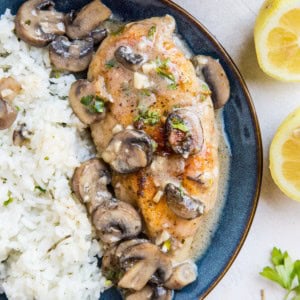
x,y
154,88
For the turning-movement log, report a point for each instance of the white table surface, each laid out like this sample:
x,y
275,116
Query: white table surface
x,y
277,220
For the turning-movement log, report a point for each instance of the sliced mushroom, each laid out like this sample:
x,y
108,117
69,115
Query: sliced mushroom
x,y
89,183
130,60
99,34
184,132
83,89
73,56
37,23
110,264
87,19
127,245
8,114
182,204
215,77
144,262
182,276
128,151
21,135
9,88
138,275
145,294
116,220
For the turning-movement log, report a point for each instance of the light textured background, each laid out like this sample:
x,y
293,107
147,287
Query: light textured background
x,y
277,220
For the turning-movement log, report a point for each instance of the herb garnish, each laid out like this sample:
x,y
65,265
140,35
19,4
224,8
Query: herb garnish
x,y
179,124
118,30
9,200
94,104
172,86
154,145
28,22
37,187
148,117
285,272
151,32
111,64
163,70
146,92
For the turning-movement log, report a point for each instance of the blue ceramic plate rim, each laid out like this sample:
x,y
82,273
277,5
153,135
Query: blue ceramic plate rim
x,y
246,96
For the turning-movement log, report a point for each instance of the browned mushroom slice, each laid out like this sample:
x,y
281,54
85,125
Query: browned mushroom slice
x,y
110,264
182,276
128,151
89,183
8,114
184,132
129,59
87,106
73,56
87,19
99,34
37,23
215,77
182,204
115,220
144,262
9,88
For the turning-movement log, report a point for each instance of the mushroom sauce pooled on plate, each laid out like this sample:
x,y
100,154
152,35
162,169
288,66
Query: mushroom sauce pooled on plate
x,y
151,113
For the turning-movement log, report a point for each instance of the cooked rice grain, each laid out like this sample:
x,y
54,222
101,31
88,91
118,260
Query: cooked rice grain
x,y
47,249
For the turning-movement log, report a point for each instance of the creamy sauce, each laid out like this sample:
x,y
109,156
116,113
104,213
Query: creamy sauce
x,y
209,221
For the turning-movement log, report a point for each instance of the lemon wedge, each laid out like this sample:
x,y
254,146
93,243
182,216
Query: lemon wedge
x,y
277,39
285,156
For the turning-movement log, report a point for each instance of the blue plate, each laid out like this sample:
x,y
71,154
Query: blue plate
x,y
242,129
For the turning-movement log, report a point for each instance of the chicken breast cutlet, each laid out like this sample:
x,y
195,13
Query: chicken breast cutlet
x,y
159,134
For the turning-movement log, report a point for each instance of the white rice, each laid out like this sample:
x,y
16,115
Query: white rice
x,y
47,250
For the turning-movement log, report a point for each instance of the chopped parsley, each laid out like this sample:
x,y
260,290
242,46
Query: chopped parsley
x,y
154,145
166,246
111,64
28,22
46,158
37,187
151,32
94,104
9,200
148,117
146,92
163,70
108,283
17,108
172,86
55,74
118,31
179,124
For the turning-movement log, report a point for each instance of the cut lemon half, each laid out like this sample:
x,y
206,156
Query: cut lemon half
x,y
285,156
277,39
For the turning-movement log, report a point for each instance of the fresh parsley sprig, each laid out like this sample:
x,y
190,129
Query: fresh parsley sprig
x,y
285,272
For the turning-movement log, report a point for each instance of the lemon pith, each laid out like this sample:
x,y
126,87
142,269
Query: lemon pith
x,y
277,39
285,156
